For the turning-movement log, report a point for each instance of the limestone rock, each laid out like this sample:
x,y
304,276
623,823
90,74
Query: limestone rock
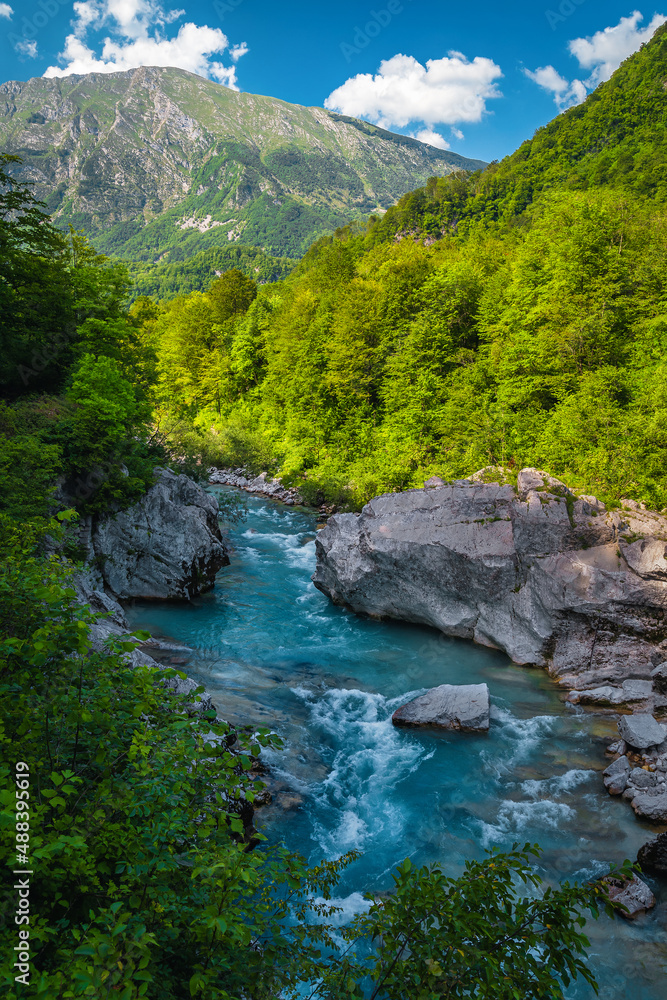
x,y
641,731
659,678
552,579
114,625
631,692
168,546
461,707
633,894
616,776
186,685
651,804
652,857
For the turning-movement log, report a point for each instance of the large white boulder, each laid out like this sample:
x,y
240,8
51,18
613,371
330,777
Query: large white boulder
x,y
461,707
553,579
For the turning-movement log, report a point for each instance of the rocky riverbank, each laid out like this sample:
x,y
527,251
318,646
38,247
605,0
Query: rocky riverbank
x,y
554,579
168,546
261,484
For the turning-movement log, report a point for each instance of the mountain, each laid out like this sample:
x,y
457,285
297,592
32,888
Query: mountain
x,y
617,139
155,161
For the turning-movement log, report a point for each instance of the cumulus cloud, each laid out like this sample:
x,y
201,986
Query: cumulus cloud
x,y
442,92
566,94
6,10
432,138
237,51
138,37
601,55
604,52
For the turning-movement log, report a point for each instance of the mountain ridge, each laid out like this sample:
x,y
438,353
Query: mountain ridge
x,y
153,160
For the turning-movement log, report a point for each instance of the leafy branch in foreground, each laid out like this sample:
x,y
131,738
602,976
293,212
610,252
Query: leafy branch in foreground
x,y
495,933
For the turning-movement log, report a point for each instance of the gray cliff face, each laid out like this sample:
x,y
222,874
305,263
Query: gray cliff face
x,y
167,547
553,579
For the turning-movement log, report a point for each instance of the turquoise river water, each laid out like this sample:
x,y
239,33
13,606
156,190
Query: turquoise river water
x,y
274,651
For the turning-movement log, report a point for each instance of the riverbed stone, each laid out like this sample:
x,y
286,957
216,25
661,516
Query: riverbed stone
x,y
449,706
168,546
659,678
633,894
551,578
263,484
651,804
641,730
616,776
652,857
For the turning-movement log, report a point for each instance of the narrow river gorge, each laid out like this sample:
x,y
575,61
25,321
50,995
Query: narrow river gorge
x,y
273,651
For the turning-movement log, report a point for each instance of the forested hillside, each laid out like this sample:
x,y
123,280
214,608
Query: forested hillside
x,y
516,317
182,273
617,138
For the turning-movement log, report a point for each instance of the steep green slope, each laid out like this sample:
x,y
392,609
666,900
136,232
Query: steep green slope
x,y
617,138
153,159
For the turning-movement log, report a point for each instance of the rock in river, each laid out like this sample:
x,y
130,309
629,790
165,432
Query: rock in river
x,y
616,776
168,546
552,578
652,857
633,894
641,731
449,706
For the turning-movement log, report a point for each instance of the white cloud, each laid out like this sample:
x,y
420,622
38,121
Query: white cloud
x,y
604,52
238,51
601,54
137,38
444,91
6,10
457,133
566,94
431,138
26,48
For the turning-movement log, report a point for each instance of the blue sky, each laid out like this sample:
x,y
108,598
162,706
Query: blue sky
x,y
478,78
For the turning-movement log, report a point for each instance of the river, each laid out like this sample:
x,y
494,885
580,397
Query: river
x,y
274,651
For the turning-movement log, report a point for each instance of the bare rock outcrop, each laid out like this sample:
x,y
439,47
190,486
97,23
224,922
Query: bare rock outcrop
x,y
652,857
112,624
168,546
551,578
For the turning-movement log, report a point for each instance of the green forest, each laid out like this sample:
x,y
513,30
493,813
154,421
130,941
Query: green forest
x,y
507,318
513,317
